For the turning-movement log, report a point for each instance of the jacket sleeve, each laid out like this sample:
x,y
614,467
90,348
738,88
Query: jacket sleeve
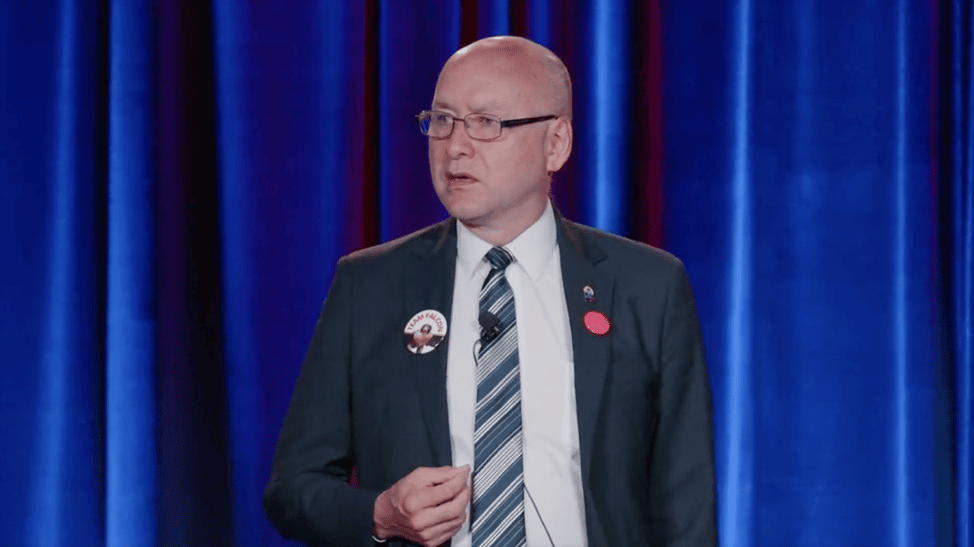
x,y
309,497
682,460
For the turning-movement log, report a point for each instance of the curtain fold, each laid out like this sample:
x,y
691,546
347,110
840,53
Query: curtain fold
x,y
959,264
130,302
181,178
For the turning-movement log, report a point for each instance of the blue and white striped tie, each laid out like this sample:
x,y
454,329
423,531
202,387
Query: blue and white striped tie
x,y
497,515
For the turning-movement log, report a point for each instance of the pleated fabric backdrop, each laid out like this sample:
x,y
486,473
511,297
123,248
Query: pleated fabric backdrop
x,y
180,178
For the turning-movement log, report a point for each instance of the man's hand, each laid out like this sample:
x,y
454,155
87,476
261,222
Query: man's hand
x,y
427,506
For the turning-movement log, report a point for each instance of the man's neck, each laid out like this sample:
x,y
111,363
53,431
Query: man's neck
x,y
501,234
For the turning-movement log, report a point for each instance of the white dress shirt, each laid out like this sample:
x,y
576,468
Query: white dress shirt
x,y
552,467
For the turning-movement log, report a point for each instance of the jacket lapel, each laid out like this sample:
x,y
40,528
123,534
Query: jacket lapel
x,y
430,286
578,270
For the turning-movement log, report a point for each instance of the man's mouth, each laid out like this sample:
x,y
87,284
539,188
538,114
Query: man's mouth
x,y
460,177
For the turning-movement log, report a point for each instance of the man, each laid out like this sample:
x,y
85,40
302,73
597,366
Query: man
x,y
568,403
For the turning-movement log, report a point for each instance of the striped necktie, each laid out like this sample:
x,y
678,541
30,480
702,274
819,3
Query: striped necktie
x,y
497,515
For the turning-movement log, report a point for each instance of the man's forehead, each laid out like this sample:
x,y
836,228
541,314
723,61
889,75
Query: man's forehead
x,y
491,70
506,60
512,60
480,88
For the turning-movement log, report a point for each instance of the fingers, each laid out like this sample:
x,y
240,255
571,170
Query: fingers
x,y
449,526
440,533
427,506
441,503
446,526
446,490
432,476
428,487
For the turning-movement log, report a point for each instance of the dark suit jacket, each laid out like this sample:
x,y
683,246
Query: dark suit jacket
x,y
363,400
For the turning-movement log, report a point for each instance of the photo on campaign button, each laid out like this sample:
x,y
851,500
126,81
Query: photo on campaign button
x,y
424,332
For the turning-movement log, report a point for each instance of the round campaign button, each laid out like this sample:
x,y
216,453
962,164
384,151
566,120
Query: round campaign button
x,y
424,331
596,322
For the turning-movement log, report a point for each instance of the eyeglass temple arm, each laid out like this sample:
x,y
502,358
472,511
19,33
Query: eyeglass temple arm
x,y
525,121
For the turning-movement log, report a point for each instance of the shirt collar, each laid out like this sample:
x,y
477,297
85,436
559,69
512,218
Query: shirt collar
x,y
532,249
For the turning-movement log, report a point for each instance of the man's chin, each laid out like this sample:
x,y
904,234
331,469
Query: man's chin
x,y
467,213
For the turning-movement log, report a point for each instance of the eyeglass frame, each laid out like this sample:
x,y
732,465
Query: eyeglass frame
x,y
513,122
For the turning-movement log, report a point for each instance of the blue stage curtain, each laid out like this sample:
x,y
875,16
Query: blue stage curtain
x,y
180,178
805,194
957,208
53,290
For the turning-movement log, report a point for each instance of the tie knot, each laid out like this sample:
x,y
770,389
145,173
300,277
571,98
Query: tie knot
x,y
498,258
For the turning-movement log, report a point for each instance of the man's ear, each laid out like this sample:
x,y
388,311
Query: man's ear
x,y
558,143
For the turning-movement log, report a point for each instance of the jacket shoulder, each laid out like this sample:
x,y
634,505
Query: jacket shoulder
x,y
600,245
422,242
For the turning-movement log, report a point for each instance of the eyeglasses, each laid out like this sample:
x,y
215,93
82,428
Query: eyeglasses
x,y
483,127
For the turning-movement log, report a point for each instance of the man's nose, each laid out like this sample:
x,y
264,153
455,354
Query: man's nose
x,y
460,143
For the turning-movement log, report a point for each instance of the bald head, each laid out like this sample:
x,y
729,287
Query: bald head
x,y
497,182
533,63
